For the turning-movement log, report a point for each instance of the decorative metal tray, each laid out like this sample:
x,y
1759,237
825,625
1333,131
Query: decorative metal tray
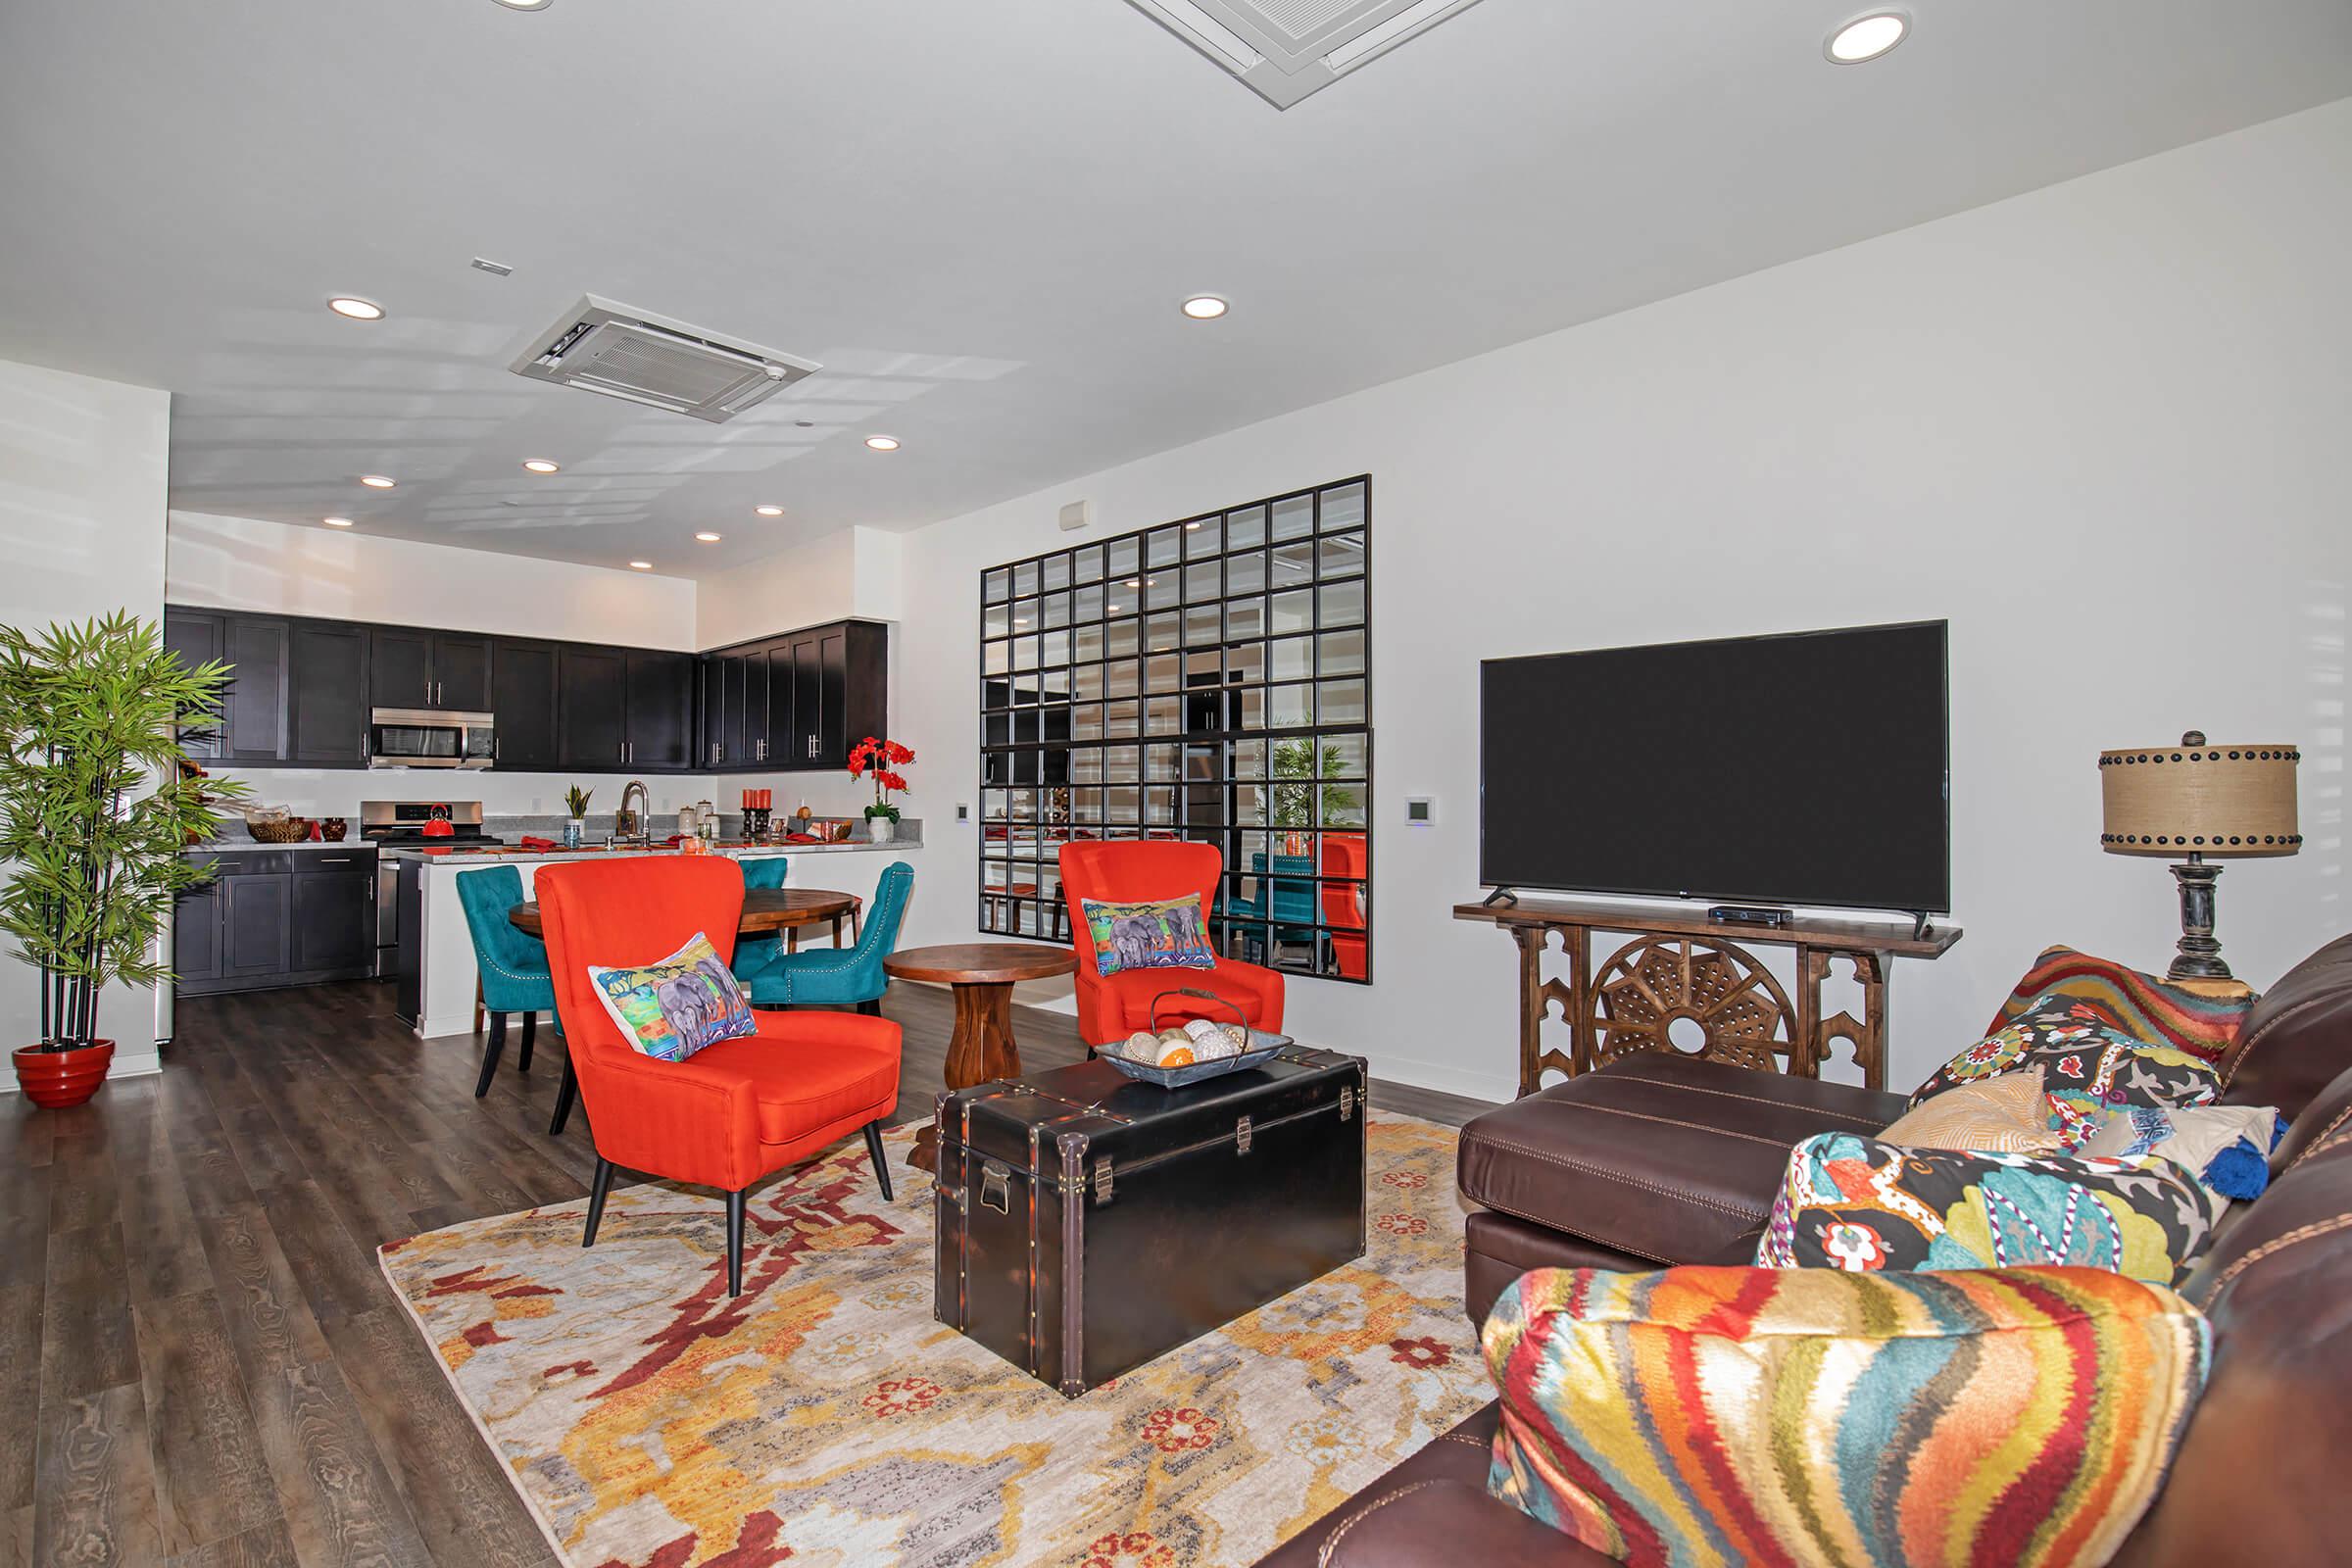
x,y
1262,1047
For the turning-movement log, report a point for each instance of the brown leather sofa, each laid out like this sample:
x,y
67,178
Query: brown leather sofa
x,y
1657,1160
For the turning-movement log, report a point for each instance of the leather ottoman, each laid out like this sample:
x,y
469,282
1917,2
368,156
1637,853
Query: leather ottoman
x,y
1652,1160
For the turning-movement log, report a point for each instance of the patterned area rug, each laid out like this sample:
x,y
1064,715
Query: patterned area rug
x,y
824,1418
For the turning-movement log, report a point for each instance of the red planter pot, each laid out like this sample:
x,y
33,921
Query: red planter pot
x,y
57,1079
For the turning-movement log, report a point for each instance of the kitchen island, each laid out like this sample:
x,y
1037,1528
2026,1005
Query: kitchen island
x,y
435,965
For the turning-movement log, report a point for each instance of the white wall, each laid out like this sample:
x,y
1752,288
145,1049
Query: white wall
x,y
2099,428
83,471
245,564
848,572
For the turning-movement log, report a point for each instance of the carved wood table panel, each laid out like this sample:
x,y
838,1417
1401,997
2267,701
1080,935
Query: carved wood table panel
x,y
1686,985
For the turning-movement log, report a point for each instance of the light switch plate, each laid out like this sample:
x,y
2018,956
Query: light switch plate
x,y
964,813
1420,811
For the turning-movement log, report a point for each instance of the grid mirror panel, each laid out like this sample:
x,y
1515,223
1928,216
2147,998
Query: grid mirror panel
x,y
1207,680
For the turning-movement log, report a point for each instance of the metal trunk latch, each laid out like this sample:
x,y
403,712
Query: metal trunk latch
x,y
996,1189
1103,1181
1346,1101
1241,1134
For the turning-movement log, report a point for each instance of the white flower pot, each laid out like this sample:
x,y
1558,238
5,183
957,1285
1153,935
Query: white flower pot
x,y
881,829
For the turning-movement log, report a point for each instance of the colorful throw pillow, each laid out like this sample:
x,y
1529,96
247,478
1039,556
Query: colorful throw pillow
x,y
1867,1207
1703,1416
674,1008
2089,1068
2156,1011
1168,935
2008,1113
2225,1147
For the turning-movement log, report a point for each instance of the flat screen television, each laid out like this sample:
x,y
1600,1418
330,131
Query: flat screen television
x,y
1812,769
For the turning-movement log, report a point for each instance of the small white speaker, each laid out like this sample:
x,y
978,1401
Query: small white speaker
x,y
1076,515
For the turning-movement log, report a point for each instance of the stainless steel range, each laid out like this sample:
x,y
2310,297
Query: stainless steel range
x,y
412,826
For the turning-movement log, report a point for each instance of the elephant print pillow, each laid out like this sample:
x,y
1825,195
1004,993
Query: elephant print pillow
x,y
674,1008
1168,935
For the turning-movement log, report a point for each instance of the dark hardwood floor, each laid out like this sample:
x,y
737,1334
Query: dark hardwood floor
x,y
201,1364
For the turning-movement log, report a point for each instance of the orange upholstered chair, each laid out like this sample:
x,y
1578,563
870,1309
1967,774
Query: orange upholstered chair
x,y
735,1111
1131,871
1347,854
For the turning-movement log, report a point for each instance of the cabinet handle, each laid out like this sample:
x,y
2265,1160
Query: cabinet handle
x,y
334,859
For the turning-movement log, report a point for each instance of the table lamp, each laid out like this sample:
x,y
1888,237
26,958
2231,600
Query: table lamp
x,y
2197,803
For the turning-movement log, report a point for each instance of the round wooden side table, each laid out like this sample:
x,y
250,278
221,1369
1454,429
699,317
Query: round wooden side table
x,y
981,1047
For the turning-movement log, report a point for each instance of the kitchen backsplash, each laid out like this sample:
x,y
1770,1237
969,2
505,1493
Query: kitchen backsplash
x,y
323,792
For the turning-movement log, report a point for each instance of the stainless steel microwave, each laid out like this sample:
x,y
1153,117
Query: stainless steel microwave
x,y
424,737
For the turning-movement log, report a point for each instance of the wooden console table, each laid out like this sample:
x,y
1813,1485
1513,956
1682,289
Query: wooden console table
x,y
1685,984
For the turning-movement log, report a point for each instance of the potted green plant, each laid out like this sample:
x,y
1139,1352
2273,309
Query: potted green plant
x,y
1298,767
97,801
575,800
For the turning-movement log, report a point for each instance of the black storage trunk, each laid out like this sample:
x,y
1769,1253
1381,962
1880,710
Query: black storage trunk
x,y
1087,1223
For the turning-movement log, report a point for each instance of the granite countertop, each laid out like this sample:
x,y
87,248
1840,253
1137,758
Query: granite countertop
x,y
511,854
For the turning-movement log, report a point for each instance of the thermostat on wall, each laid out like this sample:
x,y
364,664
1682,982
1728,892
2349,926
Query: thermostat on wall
x,y
1420,811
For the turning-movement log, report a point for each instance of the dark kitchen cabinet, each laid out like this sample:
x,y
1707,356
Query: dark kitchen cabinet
x,y
257,932
436,669
335,911
260,647
303,689
196,934
461,673
797,701
522,697
327,682
660,710
592,707
276,917
198,638
400,667
735,710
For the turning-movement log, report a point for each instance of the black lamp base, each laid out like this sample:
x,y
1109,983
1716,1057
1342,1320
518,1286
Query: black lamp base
x,y
2200,954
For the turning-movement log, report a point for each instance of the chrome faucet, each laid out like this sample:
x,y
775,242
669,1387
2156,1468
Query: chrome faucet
x,y
630,824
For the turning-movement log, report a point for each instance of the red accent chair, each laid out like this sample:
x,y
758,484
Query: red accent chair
x,y
1347,854
1128,871
733,1112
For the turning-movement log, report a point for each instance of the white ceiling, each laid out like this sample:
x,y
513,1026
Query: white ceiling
x,y
980,217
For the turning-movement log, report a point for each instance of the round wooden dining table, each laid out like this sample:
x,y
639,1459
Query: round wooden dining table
x,y
765,910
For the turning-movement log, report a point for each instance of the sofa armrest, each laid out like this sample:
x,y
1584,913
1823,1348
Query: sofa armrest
x,y
1435,1524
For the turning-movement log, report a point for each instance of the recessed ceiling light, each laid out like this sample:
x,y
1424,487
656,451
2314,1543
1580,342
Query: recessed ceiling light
x,y
1192,527
1114,609
1205,306
708,537
1867,37
542,465
336,522
526,5
378,481
634,565
359,310
883,443
769,511
1133,582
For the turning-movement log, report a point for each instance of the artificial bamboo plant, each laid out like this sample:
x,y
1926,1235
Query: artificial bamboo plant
x,y
90,716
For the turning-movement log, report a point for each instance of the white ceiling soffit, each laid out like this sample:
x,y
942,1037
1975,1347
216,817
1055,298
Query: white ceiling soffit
x,y
1287,49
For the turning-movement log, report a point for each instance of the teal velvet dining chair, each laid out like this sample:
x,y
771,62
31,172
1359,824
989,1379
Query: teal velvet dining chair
x,y
842,977
512,965
753,954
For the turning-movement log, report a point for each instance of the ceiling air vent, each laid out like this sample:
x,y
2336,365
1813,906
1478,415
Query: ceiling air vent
x,y
599,346
1286,49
